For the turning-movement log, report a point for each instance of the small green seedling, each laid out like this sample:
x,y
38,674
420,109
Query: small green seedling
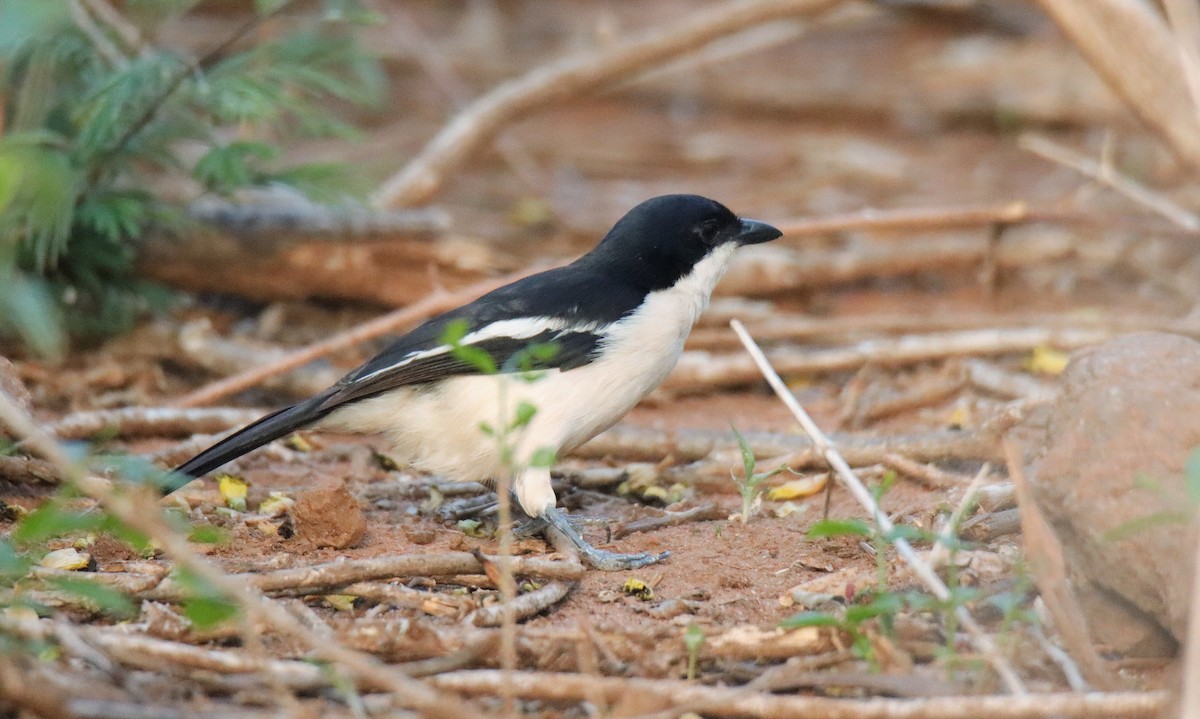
x,y
693,640
749,487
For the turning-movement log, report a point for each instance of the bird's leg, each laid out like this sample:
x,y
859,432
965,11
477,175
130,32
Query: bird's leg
x,y
598,558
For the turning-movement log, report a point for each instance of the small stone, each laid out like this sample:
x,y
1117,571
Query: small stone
x,y
328,516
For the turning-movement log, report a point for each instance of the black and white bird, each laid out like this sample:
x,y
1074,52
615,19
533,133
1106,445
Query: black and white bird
x,y
617,318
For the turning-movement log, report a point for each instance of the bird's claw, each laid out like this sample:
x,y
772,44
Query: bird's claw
x,y
598,558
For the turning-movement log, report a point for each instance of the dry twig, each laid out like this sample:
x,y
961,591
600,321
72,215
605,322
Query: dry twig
x,y
765,271
690,445
320,578
527,605
554,83
701,513
703,371
744,704
392,321
1104,173
130,422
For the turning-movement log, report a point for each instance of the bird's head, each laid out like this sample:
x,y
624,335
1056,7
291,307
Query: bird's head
x,y
664,238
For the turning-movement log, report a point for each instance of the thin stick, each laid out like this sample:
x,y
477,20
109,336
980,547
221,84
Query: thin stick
x,y
744,704
927,218
390,322
927,576
128,422
522,607
552,84
1106,175
948,218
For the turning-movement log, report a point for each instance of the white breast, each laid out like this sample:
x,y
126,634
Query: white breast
x,y
438,428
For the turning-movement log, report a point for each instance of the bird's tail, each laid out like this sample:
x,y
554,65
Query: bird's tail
x,y
252,436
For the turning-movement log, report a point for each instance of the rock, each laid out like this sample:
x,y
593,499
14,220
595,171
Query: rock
x,y
1109,476
328,516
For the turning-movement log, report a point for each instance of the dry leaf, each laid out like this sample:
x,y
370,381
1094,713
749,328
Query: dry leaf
x,y
797,488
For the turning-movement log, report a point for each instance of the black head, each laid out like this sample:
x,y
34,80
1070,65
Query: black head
x,y
663,238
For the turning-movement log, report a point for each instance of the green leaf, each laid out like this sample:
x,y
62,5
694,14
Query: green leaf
x,y
840,527
525,413
811,619
693,637
12,564
226,168
1191,477
28,310
543,458
206,612
106,599
748,460
475,357
208,534
1146,522
52,519
903,531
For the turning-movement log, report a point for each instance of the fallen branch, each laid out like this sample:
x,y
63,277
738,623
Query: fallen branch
x,y
524,606
699,371
766,271
744,704
557,82
986,527
201,345
391,322
702,513
25,469
927,218
691,445
776,328
926,393
131,422
320,578
926,474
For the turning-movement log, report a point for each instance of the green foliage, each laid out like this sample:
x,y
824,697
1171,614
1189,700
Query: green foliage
x,y
93,127
876,608
693,640
1180,513
749,487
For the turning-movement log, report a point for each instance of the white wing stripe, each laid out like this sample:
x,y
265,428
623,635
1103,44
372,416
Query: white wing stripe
x,y
519,328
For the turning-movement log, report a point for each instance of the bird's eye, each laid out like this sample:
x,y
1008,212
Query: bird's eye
x,y
707,232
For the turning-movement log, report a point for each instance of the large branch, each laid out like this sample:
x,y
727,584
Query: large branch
x,y
568,78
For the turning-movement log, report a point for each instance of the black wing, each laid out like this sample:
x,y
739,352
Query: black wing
x,y
551,298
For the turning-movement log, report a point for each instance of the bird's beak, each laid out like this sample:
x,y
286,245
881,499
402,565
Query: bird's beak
x,y
752,232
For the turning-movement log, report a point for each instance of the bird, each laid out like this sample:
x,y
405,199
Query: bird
x,y
535,368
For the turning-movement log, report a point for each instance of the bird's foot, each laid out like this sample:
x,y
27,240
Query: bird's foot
x,y
598,558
